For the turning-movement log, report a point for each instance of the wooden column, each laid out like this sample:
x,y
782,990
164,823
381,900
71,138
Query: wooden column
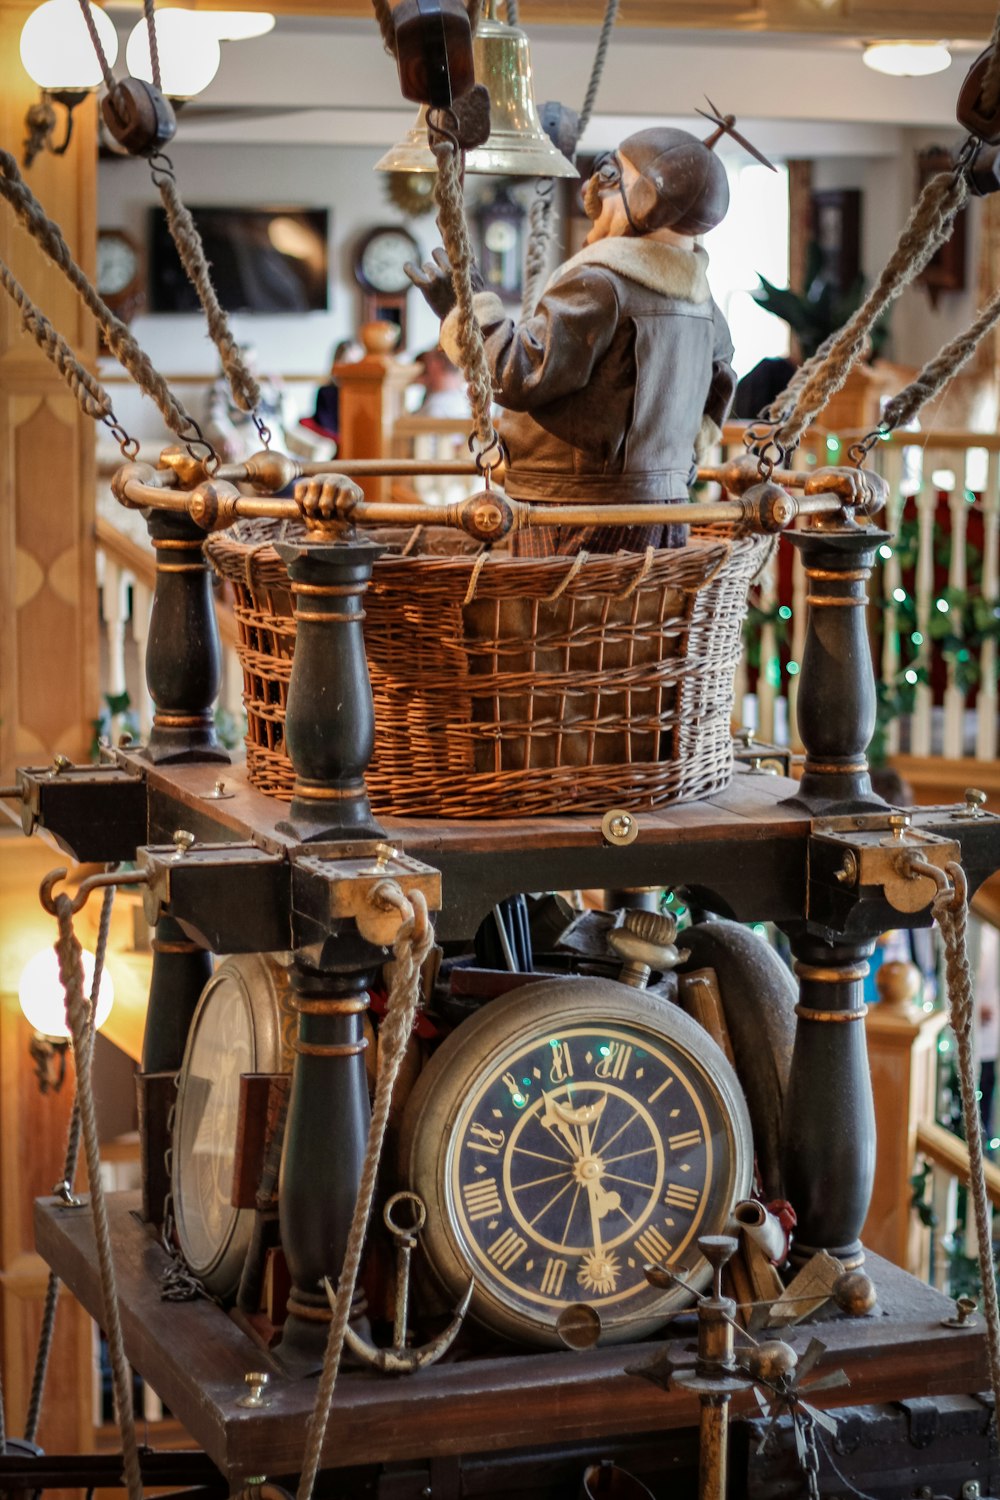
x,y
371,399
902,1052
49,690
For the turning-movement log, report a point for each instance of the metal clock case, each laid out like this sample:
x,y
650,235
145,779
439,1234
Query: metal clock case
x,y
242,1024
561,1139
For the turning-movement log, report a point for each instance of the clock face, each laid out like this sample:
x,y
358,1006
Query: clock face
x,y
240,1026
382,258
565,1138
117,263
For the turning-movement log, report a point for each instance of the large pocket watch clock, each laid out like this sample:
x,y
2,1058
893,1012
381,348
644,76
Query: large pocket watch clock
x,y
563,1138
242,1024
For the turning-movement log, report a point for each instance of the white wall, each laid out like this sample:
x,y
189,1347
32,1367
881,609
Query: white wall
x,y
339,179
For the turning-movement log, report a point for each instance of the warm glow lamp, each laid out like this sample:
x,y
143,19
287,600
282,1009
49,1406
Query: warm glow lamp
x,y
189,52
238,25
58,54
907,59
40,992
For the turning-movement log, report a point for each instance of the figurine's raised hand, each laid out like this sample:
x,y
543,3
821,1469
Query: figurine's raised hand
x,y
326,498
433,281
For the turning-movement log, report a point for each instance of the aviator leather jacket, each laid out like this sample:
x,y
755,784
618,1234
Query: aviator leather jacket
x,y
616,381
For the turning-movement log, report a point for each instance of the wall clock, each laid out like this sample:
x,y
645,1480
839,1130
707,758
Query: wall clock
x,y
120,273
242,1024
561,1139
378,268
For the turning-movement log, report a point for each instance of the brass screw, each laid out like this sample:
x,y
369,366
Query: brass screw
x,y
61,763
256,1380
975,801
745,737
899,823
848,872
621,826
182,840
124,740
964,1315
220,787
383,854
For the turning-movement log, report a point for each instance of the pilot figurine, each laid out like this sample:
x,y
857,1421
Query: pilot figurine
x,y
621,378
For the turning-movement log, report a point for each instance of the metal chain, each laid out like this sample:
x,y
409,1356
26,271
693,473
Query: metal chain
x,y
178,1283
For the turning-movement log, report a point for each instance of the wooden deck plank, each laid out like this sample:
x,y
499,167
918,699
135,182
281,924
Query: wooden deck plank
x,y
195,1357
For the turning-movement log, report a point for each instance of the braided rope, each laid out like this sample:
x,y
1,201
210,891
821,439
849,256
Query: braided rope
x,y
70,1160
926,229
184,233
78,1019
512,12
93,398
455,236
603,43
154,50
938,371
412,945
102,58
119,340
952,913
541,223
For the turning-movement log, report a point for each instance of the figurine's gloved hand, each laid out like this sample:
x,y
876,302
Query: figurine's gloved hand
x,y
859,488
433,281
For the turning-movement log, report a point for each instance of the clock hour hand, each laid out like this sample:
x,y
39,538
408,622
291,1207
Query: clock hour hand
x,y
555,1121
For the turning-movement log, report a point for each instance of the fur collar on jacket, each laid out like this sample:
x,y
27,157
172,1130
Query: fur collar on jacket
x,y
662,268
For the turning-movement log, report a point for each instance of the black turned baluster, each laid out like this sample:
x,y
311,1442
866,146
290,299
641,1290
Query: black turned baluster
x,y
836,704
181,970
324,1147
330,720
183,661
829,1117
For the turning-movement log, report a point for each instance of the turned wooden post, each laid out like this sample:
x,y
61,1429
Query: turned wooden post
x,y
902,1050
836,701
371,399
829,1120
183,659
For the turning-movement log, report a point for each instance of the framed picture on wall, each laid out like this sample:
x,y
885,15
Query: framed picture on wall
x,y
836,233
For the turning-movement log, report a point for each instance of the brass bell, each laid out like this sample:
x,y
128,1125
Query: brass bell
x,y
518,146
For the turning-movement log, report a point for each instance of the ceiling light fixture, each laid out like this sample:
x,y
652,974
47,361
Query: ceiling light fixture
x,y
907,59
189,52
238,25
58,55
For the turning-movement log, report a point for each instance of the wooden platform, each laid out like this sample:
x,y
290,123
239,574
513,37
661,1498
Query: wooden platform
x,y
746,845
195,1357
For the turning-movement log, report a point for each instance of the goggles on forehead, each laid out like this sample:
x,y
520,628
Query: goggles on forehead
x,y
609,175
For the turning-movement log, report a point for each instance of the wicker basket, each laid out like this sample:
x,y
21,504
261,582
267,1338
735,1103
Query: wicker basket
x,y
510,687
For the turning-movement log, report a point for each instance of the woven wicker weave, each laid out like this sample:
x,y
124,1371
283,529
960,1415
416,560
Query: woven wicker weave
x,y
516,687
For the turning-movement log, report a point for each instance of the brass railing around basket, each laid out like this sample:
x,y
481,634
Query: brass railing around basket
x,y
330,502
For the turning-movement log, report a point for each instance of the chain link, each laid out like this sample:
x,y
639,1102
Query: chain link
x,y
129,446
808,1452
178,1283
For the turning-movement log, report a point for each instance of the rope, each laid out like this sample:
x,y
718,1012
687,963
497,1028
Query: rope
x,y
246,391
952,913
536,256
93,398
154,51
69,1173
78,1018
102,58
603,43
412,945
120,342
939,370
455,236
925,231
512,12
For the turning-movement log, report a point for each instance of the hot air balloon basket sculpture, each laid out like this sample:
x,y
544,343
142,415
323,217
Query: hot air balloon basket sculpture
x,y
517,687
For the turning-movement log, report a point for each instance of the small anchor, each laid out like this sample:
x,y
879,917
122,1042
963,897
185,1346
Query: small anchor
x,y
401,1359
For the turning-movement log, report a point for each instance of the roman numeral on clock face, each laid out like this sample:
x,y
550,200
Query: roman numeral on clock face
x,y
553,1277
482,1200
652,1246
681,1197
684,1140
507,1249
